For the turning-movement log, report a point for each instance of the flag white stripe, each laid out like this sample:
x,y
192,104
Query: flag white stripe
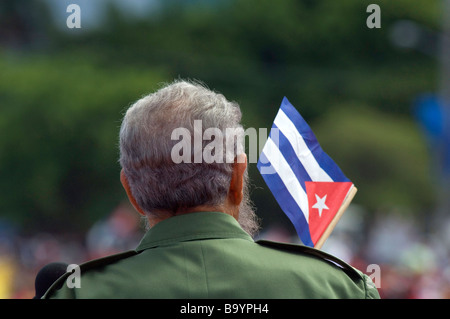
x,y
277,160
305,156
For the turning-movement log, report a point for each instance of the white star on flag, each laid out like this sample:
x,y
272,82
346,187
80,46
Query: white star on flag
x,y
320,205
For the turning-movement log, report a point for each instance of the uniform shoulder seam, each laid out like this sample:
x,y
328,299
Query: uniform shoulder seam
x,y
89,265
348,269
103,261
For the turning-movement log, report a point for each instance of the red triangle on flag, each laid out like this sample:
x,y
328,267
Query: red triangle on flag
x,y
324,201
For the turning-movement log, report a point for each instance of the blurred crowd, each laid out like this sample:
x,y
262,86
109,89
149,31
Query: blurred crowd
x,y
411,262
21,257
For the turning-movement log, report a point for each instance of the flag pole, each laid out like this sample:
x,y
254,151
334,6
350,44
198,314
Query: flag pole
x,y
336,217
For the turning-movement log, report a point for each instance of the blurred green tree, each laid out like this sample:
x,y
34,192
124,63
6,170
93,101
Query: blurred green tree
x,y
383,154
60,119
61,101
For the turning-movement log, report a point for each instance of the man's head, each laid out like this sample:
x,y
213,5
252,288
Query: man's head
x,y
159,186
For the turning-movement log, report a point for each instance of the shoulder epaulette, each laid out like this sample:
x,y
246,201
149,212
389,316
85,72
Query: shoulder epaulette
x,y
349,270
95,263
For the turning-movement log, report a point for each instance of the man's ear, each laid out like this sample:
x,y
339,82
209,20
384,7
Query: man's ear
x,y
126,186
236,190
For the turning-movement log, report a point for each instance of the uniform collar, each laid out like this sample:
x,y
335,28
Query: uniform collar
x,y
192,226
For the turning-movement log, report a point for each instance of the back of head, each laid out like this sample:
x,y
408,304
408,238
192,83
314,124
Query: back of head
x,y
147,140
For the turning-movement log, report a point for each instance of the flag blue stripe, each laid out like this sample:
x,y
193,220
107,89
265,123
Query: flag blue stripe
x,y
279,165
286,202
324,161
291,157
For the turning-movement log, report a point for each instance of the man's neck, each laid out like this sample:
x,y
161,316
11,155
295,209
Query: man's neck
x,y
161,215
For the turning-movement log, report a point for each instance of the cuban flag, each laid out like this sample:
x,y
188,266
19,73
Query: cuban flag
x,y
307,184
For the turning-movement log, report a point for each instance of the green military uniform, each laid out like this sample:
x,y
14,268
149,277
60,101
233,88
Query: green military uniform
x,y
208,255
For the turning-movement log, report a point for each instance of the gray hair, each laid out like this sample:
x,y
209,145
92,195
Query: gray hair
x,y
156,182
